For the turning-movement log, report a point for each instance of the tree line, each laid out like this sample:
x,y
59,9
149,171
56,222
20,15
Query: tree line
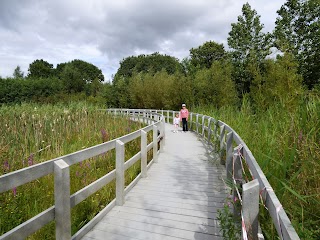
x,y
209,75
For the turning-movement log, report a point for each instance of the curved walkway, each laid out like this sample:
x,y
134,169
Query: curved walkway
x,y
178,200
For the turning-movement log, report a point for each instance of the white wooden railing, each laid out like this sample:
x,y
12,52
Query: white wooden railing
x,y
60,167
214,132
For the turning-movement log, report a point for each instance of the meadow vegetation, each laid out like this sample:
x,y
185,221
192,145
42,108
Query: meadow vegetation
x,y
273,102
33,133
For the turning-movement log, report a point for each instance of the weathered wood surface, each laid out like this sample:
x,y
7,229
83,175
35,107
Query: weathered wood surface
x,y
177,200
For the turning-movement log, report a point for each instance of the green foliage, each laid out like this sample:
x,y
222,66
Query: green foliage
x,y
230,230
17,73
40,69
158,91
246,37
152,63
19,90
297,31
72,79
32,133
206,54
285,143
249,45
87,71
278,83
215,86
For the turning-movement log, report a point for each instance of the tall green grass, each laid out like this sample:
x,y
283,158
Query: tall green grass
x,y
286,144
32,133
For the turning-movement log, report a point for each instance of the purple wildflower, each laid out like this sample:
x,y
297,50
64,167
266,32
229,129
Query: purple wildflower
x,y
300,137
6,166
14,191
104,135
30,159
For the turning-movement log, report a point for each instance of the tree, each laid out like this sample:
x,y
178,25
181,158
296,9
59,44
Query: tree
x,y
249,44
246,37
17,73
206,54
279,84
214,86
88,71
152,63
297,31
40,69
72,80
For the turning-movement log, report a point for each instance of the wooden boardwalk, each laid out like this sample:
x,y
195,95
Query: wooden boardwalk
x,y
178,200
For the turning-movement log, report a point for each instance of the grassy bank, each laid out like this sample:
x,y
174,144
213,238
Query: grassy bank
x,y
286,144
31,134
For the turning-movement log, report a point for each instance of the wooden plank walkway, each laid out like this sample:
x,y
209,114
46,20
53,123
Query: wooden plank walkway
x,y
178,200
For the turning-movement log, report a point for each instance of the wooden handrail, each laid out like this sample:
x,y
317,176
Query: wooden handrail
x,y
226,138
60,167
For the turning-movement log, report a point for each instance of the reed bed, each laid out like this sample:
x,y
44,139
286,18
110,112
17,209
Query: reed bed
x,y
286,145
32,133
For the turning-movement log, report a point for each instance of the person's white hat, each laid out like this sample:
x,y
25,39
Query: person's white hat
x,y
183,105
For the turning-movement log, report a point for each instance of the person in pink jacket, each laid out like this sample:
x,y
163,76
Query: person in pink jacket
x,y
184,115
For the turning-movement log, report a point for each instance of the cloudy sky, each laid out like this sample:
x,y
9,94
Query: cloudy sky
x,y
103,32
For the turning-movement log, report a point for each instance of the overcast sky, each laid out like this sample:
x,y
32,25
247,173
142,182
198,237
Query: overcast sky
x,y
103,32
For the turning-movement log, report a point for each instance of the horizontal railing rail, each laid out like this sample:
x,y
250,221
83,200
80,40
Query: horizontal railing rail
x,y
60,168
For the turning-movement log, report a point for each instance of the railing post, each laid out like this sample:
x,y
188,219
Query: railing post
x,y
168,119
144,116
209,131
202,133
197,123
62,200
250,208
162,134
155,143
229,155
221,139
190,121
119,173
215,130
143,154
237,175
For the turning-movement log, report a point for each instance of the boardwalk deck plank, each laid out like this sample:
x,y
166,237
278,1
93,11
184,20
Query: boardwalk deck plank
x,y
178,200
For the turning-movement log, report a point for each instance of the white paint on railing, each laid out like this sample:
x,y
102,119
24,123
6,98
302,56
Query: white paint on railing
x,y
250,208
155,143
119,173
62,200
143,154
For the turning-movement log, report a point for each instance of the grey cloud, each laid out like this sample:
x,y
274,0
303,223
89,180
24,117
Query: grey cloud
x,y
104,32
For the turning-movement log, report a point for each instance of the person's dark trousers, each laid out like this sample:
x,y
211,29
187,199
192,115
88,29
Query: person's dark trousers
x,y
184,124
